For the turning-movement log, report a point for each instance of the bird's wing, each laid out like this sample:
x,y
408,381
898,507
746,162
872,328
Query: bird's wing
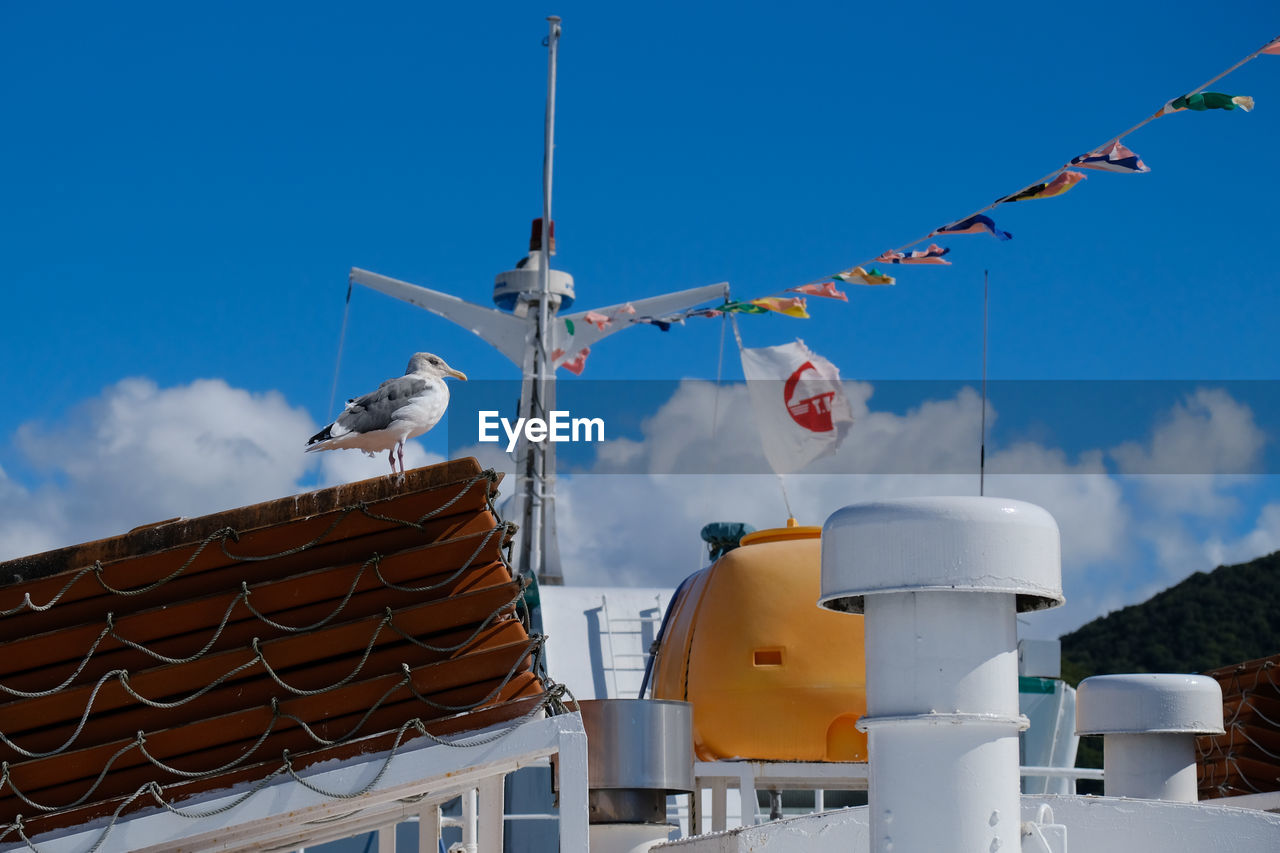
x,y
377,409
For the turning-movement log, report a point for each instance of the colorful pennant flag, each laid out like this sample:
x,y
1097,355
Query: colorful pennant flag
x,y
568,325
1057,186
1112,158
827,289
974,225
743,308
791,306
858,275
799,404
931,255
664,323
578,363
1202,101
600,321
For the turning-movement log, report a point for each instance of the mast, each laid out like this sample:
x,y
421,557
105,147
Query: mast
x,y
529,330
541,489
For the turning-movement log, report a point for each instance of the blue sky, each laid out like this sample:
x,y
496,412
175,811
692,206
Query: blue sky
x,y
187,187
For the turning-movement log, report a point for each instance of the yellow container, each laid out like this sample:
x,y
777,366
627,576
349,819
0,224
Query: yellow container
x,y
771,675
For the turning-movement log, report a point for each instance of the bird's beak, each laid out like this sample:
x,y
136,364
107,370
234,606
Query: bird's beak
x,y
457,374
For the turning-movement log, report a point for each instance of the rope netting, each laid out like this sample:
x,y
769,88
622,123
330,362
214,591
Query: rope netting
x,y
386,628
1249,751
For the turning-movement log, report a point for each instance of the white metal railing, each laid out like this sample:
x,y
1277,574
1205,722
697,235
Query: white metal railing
x,y
750,776
1076,773
715,781
410,784
717,778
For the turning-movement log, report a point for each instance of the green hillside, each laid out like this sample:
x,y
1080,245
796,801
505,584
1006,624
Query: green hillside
x,y
1213,619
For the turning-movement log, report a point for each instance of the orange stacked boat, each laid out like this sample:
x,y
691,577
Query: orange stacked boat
x,y
198,653
771,676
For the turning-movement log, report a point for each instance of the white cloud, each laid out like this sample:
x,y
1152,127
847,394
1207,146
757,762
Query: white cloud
x,y
642,528
348,466
1263,539
936,437
1207,432
29,523
1177,552
1186,481
137,454
699,429
1087,503
1195,454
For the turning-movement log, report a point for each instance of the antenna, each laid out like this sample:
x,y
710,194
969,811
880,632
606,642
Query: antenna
x,y
540,477
548,155
982,447
528,329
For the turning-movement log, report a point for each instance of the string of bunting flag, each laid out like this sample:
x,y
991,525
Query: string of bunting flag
x,y
1110,156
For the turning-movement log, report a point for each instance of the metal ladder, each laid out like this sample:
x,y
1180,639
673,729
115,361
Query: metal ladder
x,y
627,661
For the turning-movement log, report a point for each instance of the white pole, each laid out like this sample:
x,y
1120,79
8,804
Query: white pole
x,y
961,722
1151,766
542,358
982,450
429,829
549,129
940,581
489,828
1149,722
574,809
470,820
387,839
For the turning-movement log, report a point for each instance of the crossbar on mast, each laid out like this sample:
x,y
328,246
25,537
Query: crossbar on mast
x,y
531,338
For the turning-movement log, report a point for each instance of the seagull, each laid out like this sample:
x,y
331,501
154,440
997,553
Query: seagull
x,y
401,409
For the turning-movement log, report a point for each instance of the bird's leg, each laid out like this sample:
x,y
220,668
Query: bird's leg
x,y
391,457
400,453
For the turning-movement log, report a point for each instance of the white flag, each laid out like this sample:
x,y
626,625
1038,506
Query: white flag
x,y
799,404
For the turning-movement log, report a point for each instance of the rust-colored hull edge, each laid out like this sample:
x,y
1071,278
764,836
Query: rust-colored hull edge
x,y
174,532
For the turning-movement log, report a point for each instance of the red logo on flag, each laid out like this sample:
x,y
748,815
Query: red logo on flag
x,y
812,413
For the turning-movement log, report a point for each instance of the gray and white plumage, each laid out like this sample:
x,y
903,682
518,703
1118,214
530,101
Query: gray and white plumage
x,y
400,409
